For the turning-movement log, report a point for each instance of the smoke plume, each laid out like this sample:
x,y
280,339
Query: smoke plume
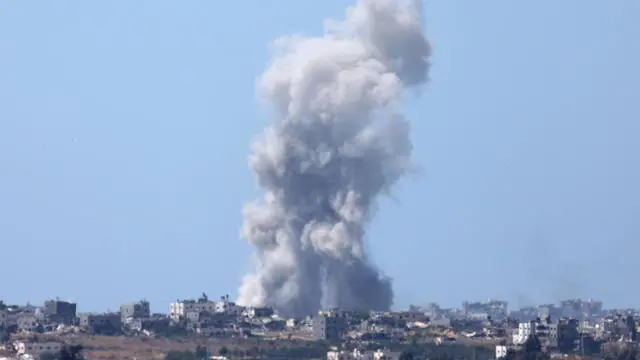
x,y
336,145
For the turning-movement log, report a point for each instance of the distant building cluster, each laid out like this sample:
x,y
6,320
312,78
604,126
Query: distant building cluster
x,y
572,326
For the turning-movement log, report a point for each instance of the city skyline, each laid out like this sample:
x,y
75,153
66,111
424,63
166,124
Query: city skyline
x,y
161,308
125,131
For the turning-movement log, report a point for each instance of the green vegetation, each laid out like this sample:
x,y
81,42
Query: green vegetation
x,y
170,331
223,351
180,355
443,352
307,351
68,352
200,353
531,350
628,352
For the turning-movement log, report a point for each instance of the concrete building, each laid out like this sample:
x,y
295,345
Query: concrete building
x,y
35,349
139,310
522,333
502,350
3,318
106,324
28,322
193,316
179,309
357,354
9,317
225,306
329,326
410,316
562,334
61,312
440,321
257,312
542,328
495,309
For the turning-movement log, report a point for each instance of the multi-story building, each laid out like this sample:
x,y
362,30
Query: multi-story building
x,y
501,351
227,307
562,334
523,332
107,324
357,354
549,310
329,326
9,317
35,349
179,309
257,312
28,322
3,318
432,310
495,309
61,312
618,327
140,310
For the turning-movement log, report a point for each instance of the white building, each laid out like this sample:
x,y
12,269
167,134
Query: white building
x,y
346,355
35,349
179,309
228,307
292,323
501,351
176,310
525,330
356,354
222,306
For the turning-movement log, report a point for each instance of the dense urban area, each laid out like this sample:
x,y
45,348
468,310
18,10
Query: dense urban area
x,y
220,329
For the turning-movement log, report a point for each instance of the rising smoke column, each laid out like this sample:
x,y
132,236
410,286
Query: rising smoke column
x,y
336,144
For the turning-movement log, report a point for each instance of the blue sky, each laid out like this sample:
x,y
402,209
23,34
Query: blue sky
x,y
125,130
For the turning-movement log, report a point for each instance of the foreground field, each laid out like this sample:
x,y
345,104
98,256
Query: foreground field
x,y
142,348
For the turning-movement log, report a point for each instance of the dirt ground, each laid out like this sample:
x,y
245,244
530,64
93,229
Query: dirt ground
x,y
142,348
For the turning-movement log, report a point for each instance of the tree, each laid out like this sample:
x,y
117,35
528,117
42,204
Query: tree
x,y
48,356
180,355
201,352
414,341
71,352
532,345
620,352
531,350
406,355
236,352
511,355
223,351
4,336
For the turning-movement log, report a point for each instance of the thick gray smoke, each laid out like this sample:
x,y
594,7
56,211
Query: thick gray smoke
x,y
336,145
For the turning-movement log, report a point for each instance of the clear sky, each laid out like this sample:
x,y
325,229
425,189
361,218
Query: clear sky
x,y
125,130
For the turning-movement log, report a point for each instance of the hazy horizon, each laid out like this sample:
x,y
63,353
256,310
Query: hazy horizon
x,y
125,131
